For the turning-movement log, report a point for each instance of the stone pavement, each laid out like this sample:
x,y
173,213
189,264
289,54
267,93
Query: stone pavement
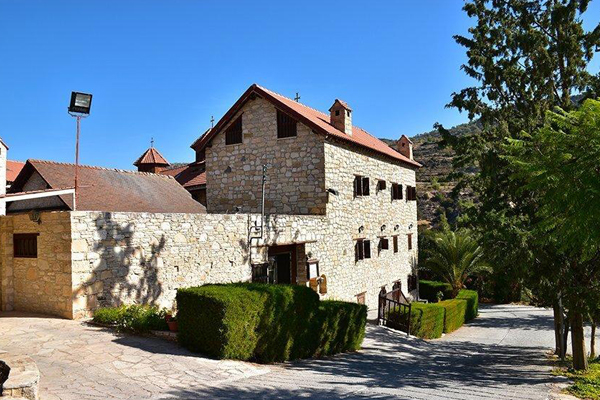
x,y
500,355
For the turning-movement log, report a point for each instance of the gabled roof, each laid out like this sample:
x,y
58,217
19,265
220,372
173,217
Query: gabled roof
x,y
152,157
189,176
206,132
342,103
12,169
318,121
103,189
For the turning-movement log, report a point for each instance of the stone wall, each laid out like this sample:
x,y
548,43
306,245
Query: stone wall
x,y
377,214
41,284
295,183
143,258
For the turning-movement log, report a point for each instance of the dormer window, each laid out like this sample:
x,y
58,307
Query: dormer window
x,y
286,126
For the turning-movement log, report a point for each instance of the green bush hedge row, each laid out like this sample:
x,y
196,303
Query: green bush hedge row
x,y
454,313
136,318
426,320
472,298
429,321
266,323
428,290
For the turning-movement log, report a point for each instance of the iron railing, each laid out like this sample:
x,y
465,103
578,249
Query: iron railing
x,y
394,310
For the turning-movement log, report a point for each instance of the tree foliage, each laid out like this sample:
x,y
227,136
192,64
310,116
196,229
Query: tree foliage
x,y
525,57
454,256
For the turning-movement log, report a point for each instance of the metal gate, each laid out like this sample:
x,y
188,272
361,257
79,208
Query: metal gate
x,y
394,310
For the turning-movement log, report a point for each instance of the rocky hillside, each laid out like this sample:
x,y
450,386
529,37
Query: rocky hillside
x,y
433,184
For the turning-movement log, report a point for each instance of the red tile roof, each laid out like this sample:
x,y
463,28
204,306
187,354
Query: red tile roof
x,y
189,176
103,189
12,170
317,120
151,156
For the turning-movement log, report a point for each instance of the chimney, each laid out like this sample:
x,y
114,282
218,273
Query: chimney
x,y
3,156
405,147
341,116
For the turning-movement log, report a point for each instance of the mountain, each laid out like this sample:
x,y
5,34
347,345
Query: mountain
x,y
433,184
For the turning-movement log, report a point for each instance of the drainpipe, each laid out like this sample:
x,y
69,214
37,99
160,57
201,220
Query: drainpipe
x,y
262,206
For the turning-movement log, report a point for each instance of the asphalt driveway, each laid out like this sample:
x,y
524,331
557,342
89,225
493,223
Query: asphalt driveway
x,y
500,355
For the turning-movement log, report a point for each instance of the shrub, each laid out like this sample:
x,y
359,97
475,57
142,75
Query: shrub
x,y
454,316
429,289
266,323
426,320
341,326
472,299
136,318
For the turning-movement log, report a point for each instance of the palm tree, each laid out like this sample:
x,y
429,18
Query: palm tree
x,y
454,256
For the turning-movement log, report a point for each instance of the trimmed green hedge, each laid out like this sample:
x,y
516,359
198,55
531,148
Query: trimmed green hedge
x,y
472,298
426,320
429,289
454,316
266,323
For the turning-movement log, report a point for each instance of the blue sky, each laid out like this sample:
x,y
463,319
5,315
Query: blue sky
x,y
162,68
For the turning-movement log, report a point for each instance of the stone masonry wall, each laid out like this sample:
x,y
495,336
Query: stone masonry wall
x,y
377,214
41,284
295,184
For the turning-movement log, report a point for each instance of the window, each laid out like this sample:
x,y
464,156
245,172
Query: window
x,y
233,135
337,112
411,193
25,245
381,185
395,244
362,249
384,244
361,186
396,191
410,241
286,126
412,282
360,298
260,273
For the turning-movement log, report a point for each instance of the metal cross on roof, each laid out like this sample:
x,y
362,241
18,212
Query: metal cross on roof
x,y
152,142
297,98
212,121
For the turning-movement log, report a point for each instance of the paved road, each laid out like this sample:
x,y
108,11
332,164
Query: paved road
x,y
500,355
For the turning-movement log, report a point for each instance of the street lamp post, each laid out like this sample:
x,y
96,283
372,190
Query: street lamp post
x,y
79,108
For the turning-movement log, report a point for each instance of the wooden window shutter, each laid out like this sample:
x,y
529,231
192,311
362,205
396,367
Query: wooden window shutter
x,y
367,248
410,246
365,186
25,245
358,186
356,251
233,135
395,244
286,125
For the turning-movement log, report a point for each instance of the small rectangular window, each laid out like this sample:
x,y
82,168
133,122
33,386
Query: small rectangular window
x,y
361,186
411,193
381,185
384,244
286,126
233,135
360,298
395,244
396,191
410,246
25,245
412,282
362,249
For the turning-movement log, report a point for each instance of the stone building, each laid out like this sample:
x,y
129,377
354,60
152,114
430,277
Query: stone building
x,y
339,215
